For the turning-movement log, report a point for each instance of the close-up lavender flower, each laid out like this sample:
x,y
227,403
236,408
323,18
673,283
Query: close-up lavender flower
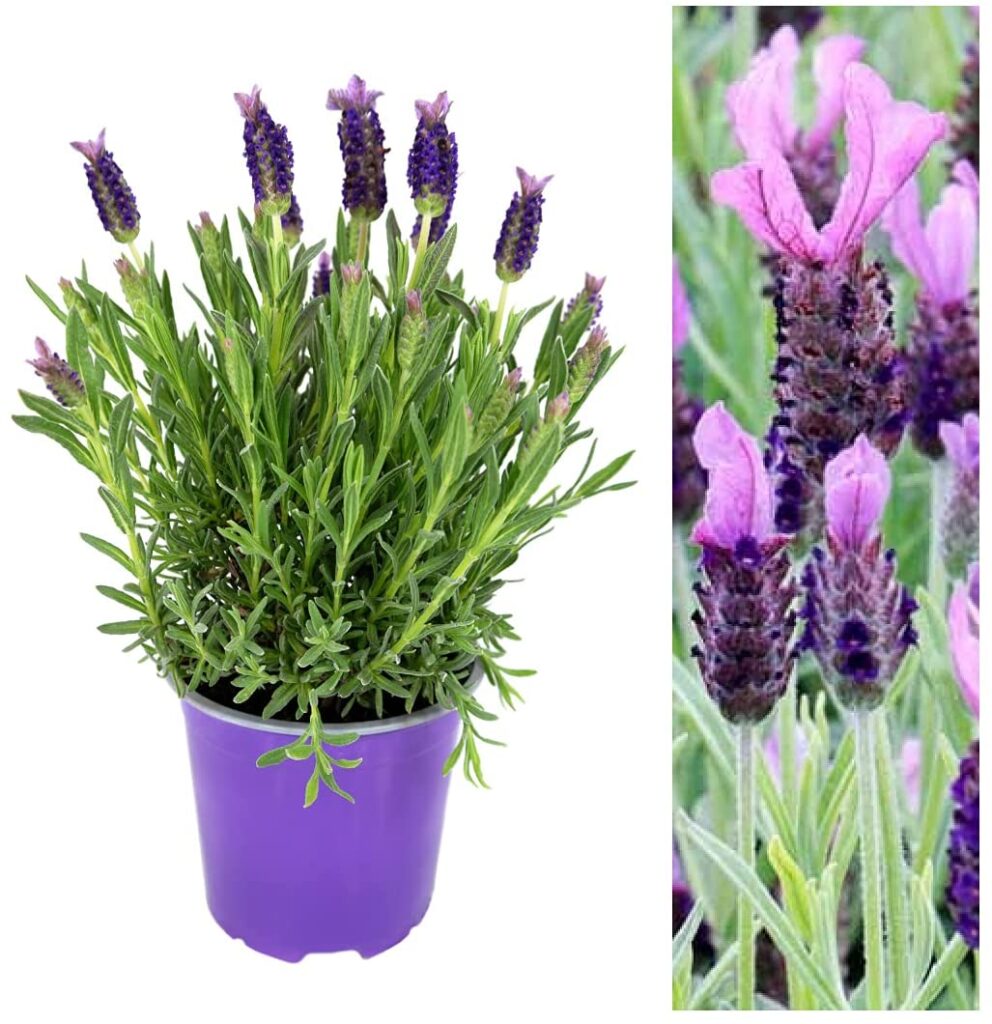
x,y
943,348
59,377
112,195
838,372
962,628
363,149
517,242
432,167
588,298
268,154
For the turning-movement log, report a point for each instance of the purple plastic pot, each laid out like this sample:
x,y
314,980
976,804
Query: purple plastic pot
x,y
290,880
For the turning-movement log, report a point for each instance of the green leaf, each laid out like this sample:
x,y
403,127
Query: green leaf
x,y
58,433
123,628
108,549
271,757
128,600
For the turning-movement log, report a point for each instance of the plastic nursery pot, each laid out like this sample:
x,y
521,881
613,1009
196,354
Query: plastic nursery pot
x,y
290,880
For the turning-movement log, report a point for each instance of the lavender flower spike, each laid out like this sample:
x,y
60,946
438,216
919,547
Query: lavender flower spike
x,y
362,139
113,197
960,525
857,614
517,242
962,628
588,297
688,478
963,854
584,365
322,275
268,153
943,347
432,168
744,619
60,378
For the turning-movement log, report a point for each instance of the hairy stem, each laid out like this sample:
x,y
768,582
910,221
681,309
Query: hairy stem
x,y
745,847
871,868
423,239
500,312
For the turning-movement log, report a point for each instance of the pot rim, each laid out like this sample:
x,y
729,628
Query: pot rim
x,y
375,727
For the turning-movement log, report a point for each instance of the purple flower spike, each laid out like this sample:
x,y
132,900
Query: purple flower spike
x,y
362,142
292,222
112,195
858,617
60,378
745,618
268,153
322,276
963,852
589,297
962,628
857,484
943,356
432,168
517,242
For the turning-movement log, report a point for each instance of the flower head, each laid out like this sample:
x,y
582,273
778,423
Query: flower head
x,y
268,154
962,628
432,168
112,195
363,150
886,142
517,242
941,255
292,221
557,407
738,494
589,296
961,441
60,378
963,853
857,484
322,275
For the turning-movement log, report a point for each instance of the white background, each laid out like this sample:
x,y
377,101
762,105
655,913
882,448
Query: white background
x,y
551,901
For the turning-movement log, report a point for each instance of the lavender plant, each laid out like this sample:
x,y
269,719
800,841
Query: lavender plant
x,y
832,856
320,484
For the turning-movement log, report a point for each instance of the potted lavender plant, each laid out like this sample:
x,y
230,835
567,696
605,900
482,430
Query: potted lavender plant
x,y
318,487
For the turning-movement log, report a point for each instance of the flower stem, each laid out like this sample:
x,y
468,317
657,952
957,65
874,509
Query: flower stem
x,y
500,311
363,242
745,847
423,240
139,261
871,869
936,571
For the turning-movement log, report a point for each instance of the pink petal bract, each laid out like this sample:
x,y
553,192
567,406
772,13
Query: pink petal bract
x,y
830,60
952,235
962,628
886,141
856,484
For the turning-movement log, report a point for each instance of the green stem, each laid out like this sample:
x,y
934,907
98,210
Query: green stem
x,y
871,893
894,865
363,242
139,260
787,750
500,312
423,239
745,847
936,571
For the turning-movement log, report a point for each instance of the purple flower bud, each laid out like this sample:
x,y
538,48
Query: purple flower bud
x,y
292,222
588,297
362,147
514,379
962,629
134,285
517,242
858,617
60,378
960,525
351,273
322,275
557,408
414,303
268,153
963,851
703,951
113,197
857,484
432,169
584,365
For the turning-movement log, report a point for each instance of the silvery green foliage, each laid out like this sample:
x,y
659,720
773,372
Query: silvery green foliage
x,y
318,497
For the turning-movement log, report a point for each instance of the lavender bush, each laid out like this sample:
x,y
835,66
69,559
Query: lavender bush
x,y
826,510
319,486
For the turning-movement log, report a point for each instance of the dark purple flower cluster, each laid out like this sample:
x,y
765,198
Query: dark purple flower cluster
x,y
113,197
688,477
362,142
268,153
292,221
858,618
745,623
60,378
517,242
432,168
964,131
962,886
838,374
322,276
943,370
